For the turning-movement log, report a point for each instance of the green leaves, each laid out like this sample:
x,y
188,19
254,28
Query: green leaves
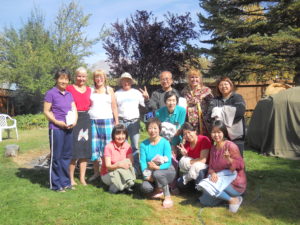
x,y
252,40
29,56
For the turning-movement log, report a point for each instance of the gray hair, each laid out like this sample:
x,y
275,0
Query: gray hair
x,y
80,70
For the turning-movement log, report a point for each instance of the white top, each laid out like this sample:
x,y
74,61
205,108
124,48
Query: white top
x,y
128,103
101,106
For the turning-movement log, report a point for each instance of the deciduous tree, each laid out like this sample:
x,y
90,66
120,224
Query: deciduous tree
x,y
143,46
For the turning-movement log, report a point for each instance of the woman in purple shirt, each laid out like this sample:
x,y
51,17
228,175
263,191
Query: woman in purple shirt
x,y
57,104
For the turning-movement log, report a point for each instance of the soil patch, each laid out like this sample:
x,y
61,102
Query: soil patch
x,y
31,158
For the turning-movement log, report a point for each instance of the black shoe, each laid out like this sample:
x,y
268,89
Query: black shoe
x,y
129,190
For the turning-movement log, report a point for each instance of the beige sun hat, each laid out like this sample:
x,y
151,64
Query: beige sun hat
x,y
128,76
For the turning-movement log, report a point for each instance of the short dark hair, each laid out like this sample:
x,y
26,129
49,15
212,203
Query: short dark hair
x,y
188,126
221,126
154,120
118,129
227,79
170,94
62,72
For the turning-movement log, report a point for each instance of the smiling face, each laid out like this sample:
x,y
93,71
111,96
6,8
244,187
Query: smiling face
x,y
62,82
99,80
153,130
194,80
171,103
166,80
126,83
81,78
217,135
190,136
120,138
225,88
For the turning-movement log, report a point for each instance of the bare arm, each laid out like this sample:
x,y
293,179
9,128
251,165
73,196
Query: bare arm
x,y
118,165
202,158
49,115
114,106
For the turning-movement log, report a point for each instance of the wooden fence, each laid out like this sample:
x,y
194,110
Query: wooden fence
x,y
252,92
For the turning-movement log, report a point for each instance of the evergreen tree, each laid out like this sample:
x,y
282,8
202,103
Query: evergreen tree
x,y
252,40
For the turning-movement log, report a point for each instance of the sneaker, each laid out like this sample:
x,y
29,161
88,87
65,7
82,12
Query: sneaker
x,y
235,207
70,187
168,203
130,183
158,195
60,190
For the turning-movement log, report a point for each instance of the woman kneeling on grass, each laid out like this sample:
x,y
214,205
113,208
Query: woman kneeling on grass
x,y
227,178
60,110
117,171
155,160
195,151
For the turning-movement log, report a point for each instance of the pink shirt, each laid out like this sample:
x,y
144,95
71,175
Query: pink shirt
x,y
82,100
218,162
115,153
203,142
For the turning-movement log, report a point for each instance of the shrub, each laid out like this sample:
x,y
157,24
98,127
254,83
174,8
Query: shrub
x,y
30,121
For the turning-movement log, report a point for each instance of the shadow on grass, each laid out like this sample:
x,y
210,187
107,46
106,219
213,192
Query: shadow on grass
x,y
271,193
35,176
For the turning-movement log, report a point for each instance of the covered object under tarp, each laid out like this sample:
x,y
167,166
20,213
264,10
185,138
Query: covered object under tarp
x,y
274,128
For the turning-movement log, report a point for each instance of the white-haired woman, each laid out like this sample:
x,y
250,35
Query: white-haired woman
x,y
82,131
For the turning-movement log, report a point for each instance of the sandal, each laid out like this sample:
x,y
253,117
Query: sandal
x,y
167,203
235,207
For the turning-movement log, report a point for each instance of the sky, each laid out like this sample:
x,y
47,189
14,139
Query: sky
x,y
103,12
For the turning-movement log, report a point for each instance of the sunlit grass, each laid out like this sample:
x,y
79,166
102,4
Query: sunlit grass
x,y
272,196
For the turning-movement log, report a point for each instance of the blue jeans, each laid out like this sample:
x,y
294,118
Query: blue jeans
x,y
133,128
227,194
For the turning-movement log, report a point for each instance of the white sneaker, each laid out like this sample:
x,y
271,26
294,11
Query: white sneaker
x,y
235,207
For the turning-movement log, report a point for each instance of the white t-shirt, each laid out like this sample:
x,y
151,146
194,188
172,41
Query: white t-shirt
x,y
128,103
101,106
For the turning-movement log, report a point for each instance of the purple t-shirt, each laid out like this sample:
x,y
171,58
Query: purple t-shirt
x,y
61,104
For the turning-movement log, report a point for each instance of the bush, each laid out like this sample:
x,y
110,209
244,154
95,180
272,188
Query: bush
x,y
30,121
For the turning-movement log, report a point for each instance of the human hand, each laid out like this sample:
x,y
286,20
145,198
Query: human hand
x,y
124,165
72,126
144,93
227,154
182,149
61,124
214,177
152,166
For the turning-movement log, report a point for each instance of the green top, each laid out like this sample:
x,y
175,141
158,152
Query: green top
x,y
177,118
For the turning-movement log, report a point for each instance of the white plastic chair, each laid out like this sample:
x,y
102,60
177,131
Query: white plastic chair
x,y
3,125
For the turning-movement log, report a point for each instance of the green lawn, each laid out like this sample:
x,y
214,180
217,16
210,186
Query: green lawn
x,y
272,197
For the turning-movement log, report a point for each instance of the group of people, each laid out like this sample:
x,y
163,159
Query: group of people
x,y
194,138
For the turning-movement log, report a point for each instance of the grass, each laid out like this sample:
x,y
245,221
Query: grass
x,y
272,197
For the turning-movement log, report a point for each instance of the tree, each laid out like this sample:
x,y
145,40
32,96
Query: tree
x,y
27,60
29,56
251,39
144,46
71,44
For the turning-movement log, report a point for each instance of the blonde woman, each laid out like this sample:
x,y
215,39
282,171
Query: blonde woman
x,y
198,98
104,115
82,131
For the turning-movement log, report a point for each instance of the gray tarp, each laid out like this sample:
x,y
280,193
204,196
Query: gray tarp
x,y
274,128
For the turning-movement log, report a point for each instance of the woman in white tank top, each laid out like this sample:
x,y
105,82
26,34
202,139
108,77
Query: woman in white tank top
x,y
104,115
